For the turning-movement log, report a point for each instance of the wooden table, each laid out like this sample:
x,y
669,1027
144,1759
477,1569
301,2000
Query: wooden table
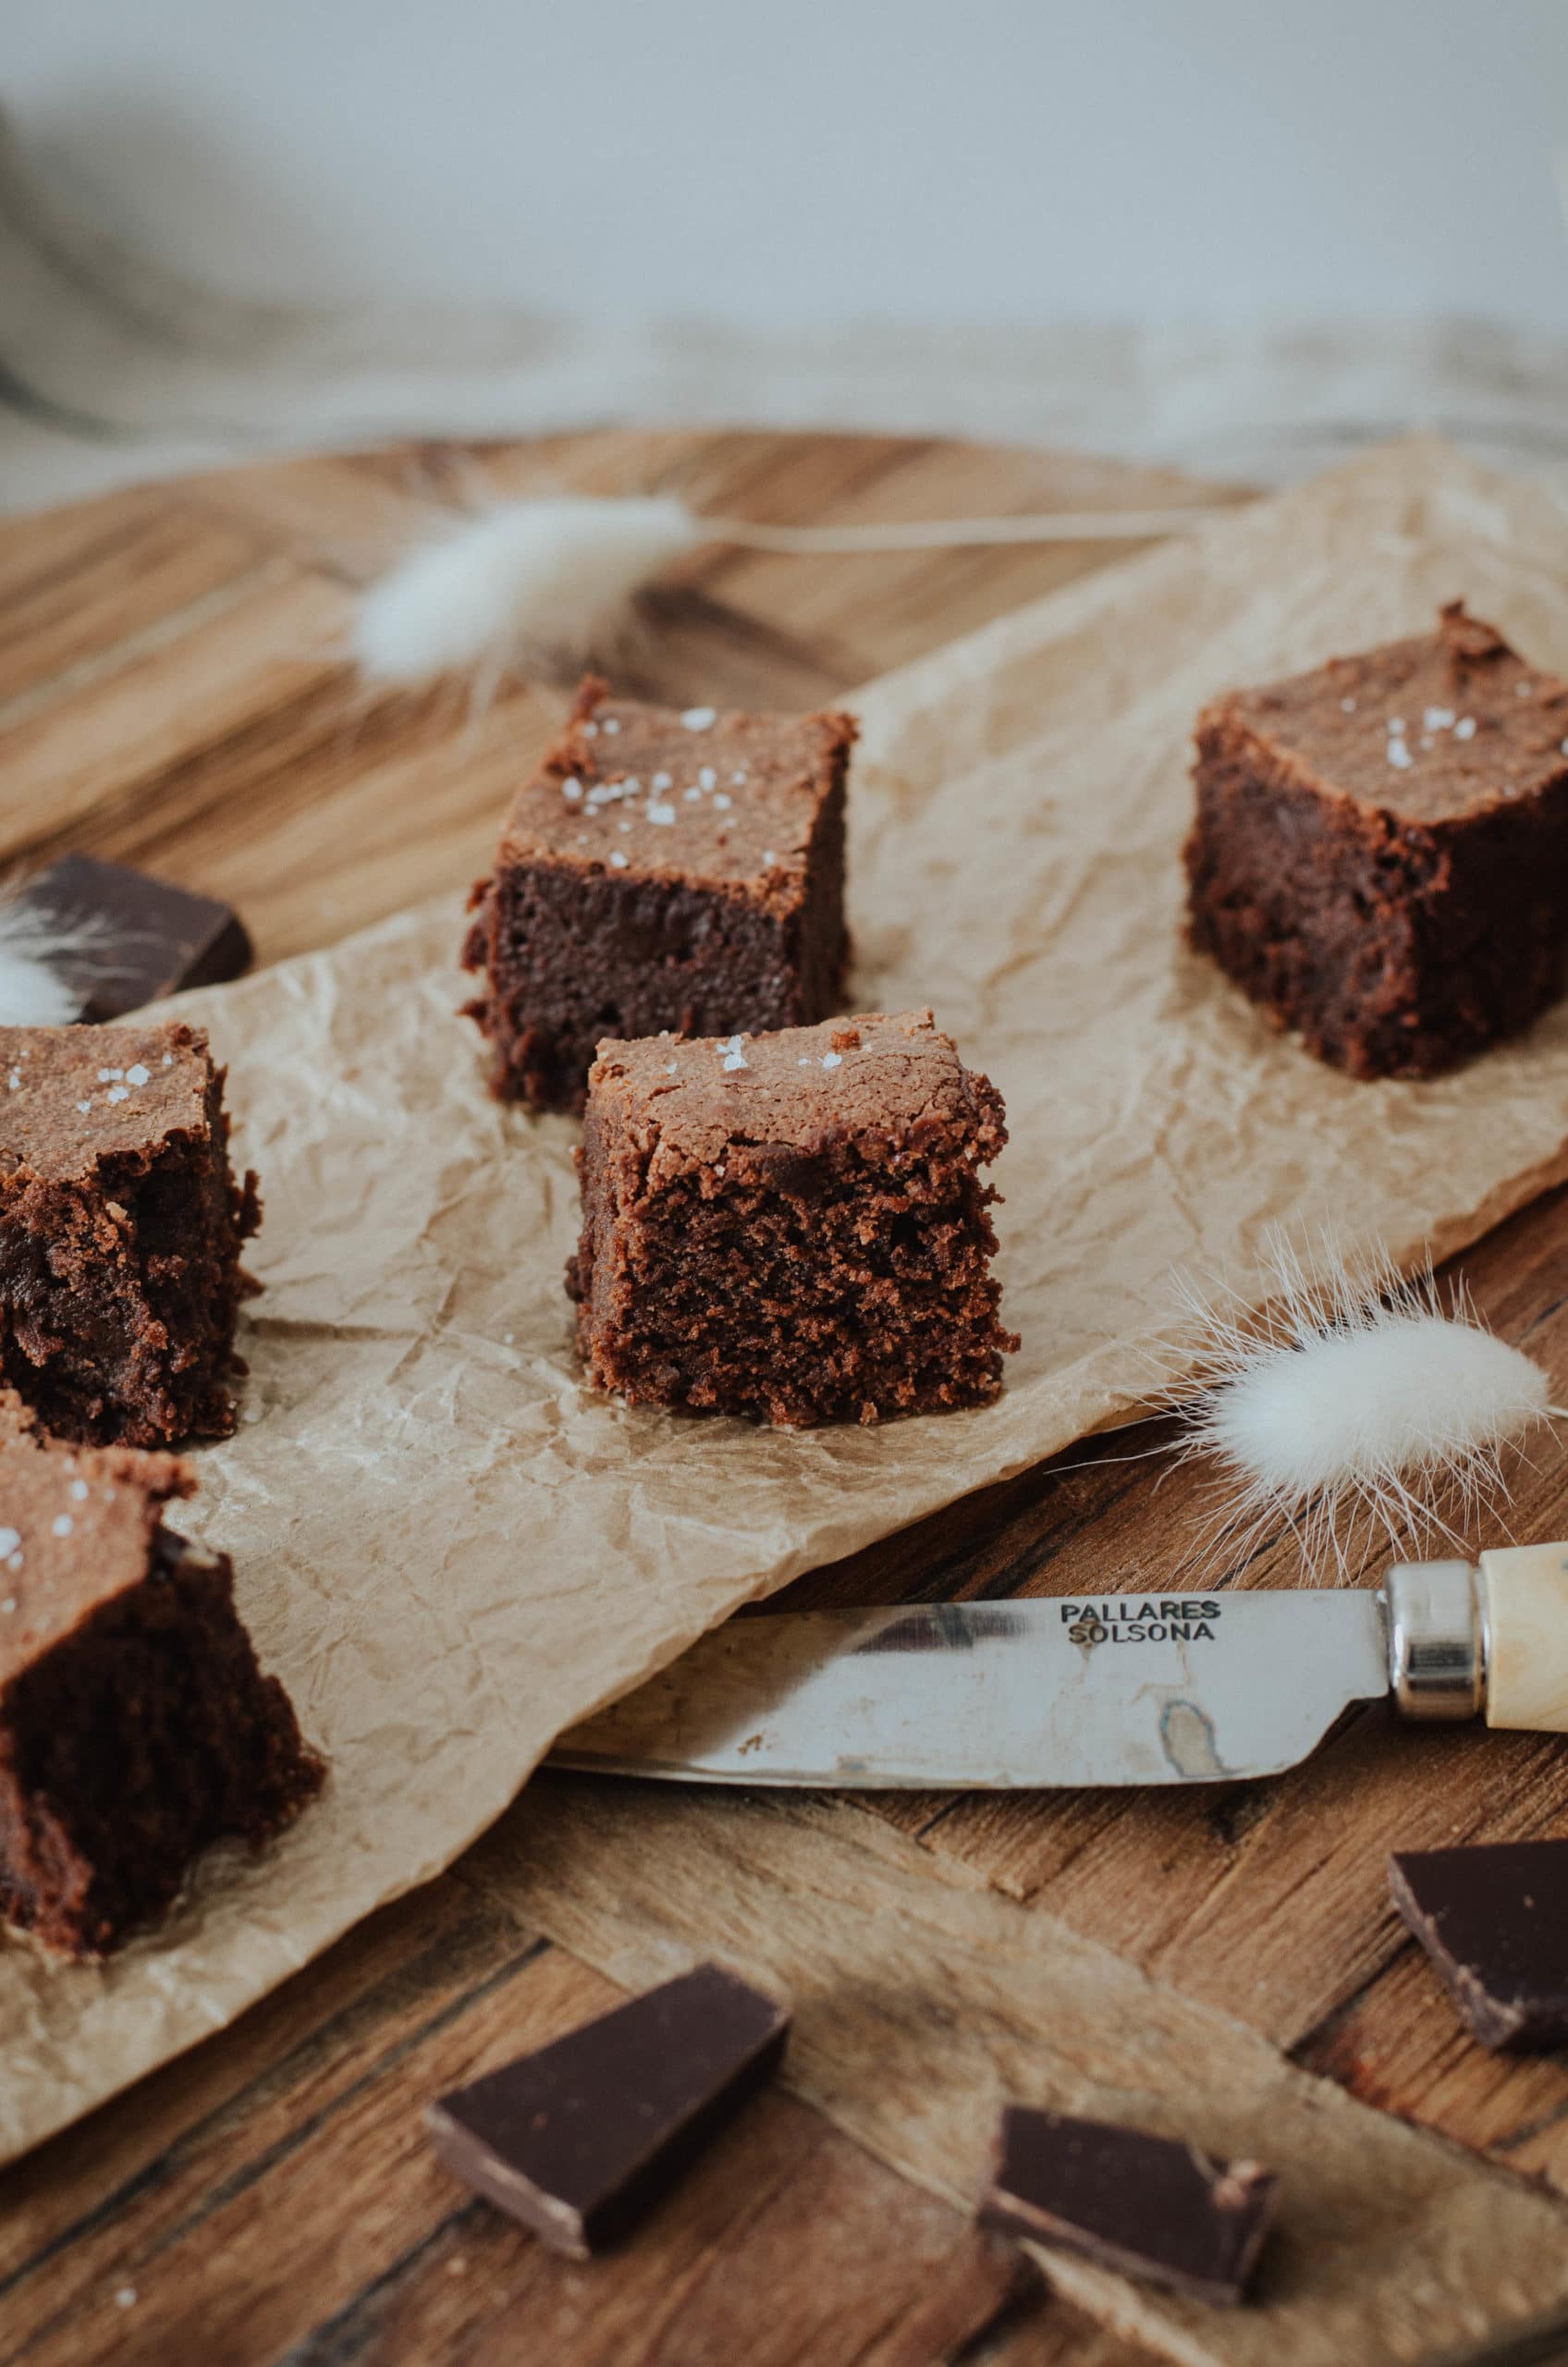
x,y
172,693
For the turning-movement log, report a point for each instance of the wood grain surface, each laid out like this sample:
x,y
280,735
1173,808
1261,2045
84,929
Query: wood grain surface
x,y
173,693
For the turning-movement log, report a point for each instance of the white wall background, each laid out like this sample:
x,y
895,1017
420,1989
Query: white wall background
x,y
781,162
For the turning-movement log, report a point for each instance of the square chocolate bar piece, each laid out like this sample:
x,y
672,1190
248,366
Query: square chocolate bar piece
x,y
1493,1917
120,1231
135,1725
792,1226
1380,853
661,870
119,938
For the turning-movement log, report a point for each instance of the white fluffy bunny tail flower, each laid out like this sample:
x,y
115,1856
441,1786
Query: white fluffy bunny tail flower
x,y
1359,1400
38,953
524,578
555,577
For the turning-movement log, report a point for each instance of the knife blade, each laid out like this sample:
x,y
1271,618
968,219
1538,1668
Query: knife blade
x,y
1121,1689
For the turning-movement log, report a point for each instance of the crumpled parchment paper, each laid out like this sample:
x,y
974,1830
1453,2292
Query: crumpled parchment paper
x,y
450,1552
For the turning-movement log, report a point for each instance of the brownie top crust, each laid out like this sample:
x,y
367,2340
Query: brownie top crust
x,y
722,797
732,1098
79,1525
70,1096
1433,729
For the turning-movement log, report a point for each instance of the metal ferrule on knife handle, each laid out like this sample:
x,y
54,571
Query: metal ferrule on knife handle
x,y
1491,1639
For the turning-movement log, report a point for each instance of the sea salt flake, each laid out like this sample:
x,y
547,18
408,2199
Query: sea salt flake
x,y
707,778
692,796
84,1106
617,858
659,811
1437,719
78,1490
768,855
1465,727
734,1058
139,1075
699,719
590,731
9,1540
13,1561
739,778
117,1093
9,1604
15,1082
1427,740
1396,727
610,724
1347,707
664,781
63,1524
1400,755
832,1060
125,2296
723,802
571,790
671,1068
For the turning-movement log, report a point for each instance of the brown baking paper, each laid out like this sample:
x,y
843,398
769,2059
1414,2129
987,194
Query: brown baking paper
x,y
451,1552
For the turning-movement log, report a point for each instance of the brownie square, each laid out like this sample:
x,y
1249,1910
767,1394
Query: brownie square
x,y
135,1725
1380,857
661,870
120,1230
791,1226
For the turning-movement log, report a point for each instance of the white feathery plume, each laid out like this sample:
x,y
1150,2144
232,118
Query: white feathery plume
x,y
1359,1398
554,576
35,949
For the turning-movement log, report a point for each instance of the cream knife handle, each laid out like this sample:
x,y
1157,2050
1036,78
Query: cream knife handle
x,y
1523,1592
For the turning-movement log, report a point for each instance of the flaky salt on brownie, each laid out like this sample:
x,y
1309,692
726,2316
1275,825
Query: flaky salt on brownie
x,y
792,1226
680,868
135,1725
1380,857
120,1232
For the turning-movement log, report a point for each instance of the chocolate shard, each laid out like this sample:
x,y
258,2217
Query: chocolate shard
x,y
577,2141
1494,1920
1146,2206
130,937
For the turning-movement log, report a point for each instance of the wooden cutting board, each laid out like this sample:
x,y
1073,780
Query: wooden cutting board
x,y
172,693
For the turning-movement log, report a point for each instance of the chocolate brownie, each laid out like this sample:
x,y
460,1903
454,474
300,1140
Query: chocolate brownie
x,y
661,870
792,1226
1380,853
120,1227
135,1726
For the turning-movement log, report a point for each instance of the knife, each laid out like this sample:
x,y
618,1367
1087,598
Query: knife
x,y
1127,1689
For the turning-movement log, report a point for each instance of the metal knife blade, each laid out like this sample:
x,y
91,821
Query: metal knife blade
x,y
1002,1696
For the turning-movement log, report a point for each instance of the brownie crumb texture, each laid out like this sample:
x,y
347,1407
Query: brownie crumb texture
x,y
665,868
1380,856
792,1226
135,1725
120,1231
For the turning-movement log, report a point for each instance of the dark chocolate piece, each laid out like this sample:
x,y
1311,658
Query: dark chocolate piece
x,y
792,1226
1380,857
661,869
577,2141
1143,2205
120,1231
135,1725
131,938
1494,1920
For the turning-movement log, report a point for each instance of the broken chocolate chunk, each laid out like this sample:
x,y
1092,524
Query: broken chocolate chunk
x,y
578,2140
1494,1920
1143,2205
126,938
